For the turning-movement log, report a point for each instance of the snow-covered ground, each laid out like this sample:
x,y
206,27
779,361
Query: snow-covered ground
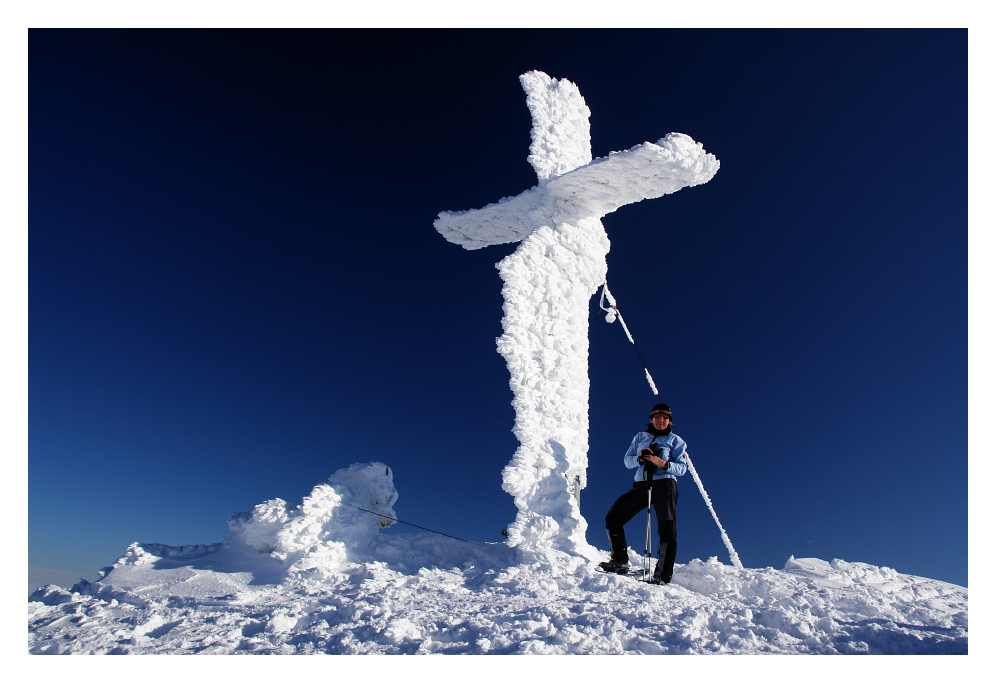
x,y
320,578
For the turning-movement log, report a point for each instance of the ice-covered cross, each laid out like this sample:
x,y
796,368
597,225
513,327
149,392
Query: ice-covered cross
x,y
548,282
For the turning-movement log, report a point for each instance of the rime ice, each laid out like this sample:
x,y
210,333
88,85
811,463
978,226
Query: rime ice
x,y
548,282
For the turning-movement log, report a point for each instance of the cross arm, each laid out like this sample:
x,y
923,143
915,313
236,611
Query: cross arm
x,y
505,221
646,171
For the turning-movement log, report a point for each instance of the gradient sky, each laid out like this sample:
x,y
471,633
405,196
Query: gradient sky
x,y
236,288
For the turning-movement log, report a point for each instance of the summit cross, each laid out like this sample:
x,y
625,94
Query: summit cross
x,y
548,283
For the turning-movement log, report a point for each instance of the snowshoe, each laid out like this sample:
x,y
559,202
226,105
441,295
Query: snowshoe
x,y
613,567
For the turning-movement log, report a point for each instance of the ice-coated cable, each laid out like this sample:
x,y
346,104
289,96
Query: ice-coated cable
x,y
610,317
612,311
395,519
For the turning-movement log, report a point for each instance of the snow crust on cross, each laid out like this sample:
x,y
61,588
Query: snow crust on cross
x,y
548,283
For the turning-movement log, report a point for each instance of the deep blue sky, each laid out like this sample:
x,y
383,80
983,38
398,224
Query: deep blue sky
x,y
236,288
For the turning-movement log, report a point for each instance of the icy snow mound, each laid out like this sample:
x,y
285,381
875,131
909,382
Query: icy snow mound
x,y
322,535
331,529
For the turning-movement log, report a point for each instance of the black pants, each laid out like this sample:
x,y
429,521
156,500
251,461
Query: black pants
x,y
664,496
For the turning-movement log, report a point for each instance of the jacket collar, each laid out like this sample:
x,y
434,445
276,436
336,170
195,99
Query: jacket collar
x,y
658,432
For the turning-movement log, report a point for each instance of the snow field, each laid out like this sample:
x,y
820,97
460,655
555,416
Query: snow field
x,y
476,609
353,591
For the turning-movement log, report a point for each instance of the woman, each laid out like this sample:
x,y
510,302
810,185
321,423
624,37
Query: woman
x,y
658,454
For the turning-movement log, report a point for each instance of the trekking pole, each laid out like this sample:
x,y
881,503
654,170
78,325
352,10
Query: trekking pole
x,y
646,547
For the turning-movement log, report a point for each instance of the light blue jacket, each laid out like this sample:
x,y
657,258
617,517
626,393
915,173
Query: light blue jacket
x,y
674,452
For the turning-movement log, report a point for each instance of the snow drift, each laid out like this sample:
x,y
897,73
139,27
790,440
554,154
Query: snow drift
x,y
320,578
330,526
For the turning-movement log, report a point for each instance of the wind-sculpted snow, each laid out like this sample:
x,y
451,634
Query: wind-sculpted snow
x,y
333,584
321,535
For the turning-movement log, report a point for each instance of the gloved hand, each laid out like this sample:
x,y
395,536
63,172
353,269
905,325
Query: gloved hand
x,y
647,458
